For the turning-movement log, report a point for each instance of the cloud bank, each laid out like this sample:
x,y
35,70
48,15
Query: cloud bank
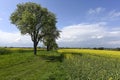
x,y
79,35
89,35
14,40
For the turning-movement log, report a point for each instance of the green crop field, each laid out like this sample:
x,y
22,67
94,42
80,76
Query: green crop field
x,y
86,64
64,64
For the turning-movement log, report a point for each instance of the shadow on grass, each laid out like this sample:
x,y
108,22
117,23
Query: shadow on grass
x,y
58,58
52,58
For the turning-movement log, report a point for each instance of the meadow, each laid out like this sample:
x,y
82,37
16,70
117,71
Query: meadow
x,y
64,64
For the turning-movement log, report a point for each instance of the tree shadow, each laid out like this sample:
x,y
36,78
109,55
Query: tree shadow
x,y
77,54
58,58
52,58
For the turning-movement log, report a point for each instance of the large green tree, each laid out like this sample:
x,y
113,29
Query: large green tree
x,y
30,18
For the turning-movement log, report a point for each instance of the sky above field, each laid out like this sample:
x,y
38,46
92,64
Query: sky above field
x,y
84,23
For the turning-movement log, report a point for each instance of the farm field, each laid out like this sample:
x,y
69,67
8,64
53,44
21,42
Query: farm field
x,y
59,40
64,64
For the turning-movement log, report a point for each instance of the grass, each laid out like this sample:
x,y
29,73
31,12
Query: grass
x,y
26,66
68,64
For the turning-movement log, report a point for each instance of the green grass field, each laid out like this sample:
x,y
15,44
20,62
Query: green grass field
x,y
66,64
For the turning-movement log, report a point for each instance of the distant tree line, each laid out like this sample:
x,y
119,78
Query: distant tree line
x,y
95,48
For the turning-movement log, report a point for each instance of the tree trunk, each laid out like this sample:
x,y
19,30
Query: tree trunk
x,y
48,48
35,47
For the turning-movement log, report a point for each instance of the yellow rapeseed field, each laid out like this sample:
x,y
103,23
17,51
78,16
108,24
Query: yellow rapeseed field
x,y
108,53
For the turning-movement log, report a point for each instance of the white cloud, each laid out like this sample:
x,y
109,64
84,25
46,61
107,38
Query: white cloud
x,y
114,33
102,14
14,39
17,40
114,13
96,10
97,37
82,32
88,35
114,42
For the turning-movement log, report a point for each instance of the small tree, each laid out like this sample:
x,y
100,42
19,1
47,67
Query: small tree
x,y
50,33
50,41
30,18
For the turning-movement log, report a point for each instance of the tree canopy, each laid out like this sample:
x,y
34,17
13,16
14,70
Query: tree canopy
x,y
30,18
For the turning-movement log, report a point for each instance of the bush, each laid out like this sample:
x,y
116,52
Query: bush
x,y
4,51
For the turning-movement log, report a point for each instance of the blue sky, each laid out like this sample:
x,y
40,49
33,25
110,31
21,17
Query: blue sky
x,y
84,23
